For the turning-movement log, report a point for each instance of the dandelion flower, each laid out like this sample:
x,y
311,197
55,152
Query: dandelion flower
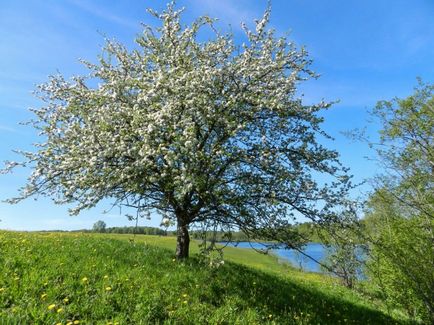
x,y
76,322
43,296
106,276
51,307
85,280
185,301
59,310
2,289
108,289
184,295
66,300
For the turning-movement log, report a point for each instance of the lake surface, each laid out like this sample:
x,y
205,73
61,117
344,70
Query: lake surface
x,y
317,251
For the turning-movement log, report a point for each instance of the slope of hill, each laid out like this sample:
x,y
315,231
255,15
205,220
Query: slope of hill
x,y
61,278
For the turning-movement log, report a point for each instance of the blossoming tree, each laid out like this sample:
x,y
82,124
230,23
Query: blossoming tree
x,y
195,130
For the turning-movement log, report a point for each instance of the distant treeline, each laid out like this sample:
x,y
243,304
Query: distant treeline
x,y
306,229
132,230
195,234
219,235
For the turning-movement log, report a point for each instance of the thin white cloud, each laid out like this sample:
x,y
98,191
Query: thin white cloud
x,y
228,11
104,14
7,129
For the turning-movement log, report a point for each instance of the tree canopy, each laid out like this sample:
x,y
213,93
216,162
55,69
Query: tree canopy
x,y
99,226
198,131
400,216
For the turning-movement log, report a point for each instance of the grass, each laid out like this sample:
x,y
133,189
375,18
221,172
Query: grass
x,y
57,278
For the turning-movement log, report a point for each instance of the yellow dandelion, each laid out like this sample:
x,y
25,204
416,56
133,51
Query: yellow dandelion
x,y
185,301
66,300
106,276
51,307
2,289
174,260
45,284
85,280
59,310
185,295
43,296
58,323
270,316
108,289
76,322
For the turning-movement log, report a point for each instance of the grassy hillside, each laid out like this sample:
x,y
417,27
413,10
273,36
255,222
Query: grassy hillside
x,y
54,278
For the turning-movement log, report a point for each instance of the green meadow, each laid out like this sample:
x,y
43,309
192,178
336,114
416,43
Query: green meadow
x,y
75,278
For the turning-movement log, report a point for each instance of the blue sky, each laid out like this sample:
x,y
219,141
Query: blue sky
x,y
364,51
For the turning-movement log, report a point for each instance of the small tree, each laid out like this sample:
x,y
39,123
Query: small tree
x,y
99,226
193,130
344,260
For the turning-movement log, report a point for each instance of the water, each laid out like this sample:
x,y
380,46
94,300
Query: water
x,y
316,250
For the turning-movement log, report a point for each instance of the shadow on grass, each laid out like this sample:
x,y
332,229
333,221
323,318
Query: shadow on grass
x,y
296,303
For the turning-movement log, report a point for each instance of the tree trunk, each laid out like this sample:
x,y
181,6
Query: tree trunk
x,y
182,240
